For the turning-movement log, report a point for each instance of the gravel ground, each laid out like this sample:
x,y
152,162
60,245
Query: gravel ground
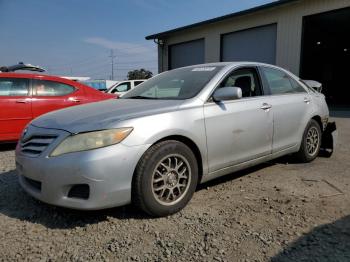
x,y
278,211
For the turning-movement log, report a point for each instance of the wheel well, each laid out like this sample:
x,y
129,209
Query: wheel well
x,y
194,148
319,121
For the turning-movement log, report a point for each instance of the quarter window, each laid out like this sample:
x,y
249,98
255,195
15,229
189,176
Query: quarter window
x,y
14,87
246,79
51,88
281,83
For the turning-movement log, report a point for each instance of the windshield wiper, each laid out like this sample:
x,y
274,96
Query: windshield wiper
x,y
141,97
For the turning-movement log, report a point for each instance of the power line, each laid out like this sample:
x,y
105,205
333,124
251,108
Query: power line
x,y
112,56
136,62
86,66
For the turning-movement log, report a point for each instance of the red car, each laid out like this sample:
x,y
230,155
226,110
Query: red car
x,y
24,97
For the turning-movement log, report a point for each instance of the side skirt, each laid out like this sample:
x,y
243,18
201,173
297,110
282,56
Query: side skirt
x,y
247,164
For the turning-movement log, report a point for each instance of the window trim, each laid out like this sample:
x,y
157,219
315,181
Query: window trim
x,y
75,89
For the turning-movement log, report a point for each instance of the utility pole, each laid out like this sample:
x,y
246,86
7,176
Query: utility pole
x,y
112,56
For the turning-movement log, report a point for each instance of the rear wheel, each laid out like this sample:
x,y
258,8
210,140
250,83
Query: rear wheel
x,y
311,142
165,178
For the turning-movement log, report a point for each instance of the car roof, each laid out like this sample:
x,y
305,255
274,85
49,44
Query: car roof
x,y
42,77
231,64
36,76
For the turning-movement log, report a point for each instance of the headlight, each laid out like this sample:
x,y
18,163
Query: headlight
x,y
91,140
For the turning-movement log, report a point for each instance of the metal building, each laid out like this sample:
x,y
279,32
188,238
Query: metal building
x,y
311,38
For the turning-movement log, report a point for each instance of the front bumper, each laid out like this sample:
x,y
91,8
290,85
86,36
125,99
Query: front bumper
x,y
106,172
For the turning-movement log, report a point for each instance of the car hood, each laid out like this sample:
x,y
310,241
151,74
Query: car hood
x,y
103,115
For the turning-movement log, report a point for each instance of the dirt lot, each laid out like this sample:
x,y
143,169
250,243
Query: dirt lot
x,y
281,211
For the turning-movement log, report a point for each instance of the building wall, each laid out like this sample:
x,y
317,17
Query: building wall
x,y
289,19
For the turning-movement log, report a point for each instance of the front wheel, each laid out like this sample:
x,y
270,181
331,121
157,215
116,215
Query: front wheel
x,y
165,178
311,142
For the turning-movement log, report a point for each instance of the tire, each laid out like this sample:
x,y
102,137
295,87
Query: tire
x,y
309,149
162,185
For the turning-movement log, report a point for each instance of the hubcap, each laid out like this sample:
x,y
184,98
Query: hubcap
x,y
312,141
171,179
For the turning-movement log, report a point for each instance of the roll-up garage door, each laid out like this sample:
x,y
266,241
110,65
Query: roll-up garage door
x,y
255,44
185,54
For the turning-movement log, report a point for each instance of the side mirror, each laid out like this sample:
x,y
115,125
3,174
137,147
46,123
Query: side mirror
x,y
227,93
314,85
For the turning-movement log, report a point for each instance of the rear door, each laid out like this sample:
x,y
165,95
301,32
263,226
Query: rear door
x,y
52,95
291,107
239,130
15,107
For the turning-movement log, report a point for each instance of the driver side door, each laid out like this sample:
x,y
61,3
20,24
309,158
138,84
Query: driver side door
x,y
15,107
239,130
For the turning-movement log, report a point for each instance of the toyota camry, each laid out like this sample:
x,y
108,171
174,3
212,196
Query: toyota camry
x,y
180,128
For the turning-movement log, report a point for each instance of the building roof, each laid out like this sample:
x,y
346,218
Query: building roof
x,y
222,18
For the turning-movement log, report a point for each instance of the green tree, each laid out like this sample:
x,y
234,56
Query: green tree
x,y
139,74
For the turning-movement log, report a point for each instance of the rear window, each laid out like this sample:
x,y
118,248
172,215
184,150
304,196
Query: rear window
x,y
51,88
14,87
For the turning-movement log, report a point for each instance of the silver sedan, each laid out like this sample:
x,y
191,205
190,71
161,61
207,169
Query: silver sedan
x,y
180,128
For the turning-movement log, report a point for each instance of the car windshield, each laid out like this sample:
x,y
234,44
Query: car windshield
x,y
177,84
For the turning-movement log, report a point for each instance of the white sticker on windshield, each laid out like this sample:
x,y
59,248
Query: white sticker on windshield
x,y
203,69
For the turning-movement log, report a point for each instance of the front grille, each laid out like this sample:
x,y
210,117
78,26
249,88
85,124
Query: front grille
x,y
36,144
33,183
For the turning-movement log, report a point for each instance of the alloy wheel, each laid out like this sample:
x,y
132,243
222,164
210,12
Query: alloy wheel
x,y
171,179
312,141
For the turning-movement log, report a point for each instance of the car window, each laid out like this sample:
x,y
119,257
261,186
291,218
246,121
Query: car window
x,y
297,87
51,88
98,85
136,83
14,87
247,79
172,89
281,83
122,87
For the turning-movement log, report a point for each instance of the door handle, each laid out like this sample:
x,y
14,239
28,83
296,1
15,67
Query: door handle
x,y
266,106
72,99
307,100
22,101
